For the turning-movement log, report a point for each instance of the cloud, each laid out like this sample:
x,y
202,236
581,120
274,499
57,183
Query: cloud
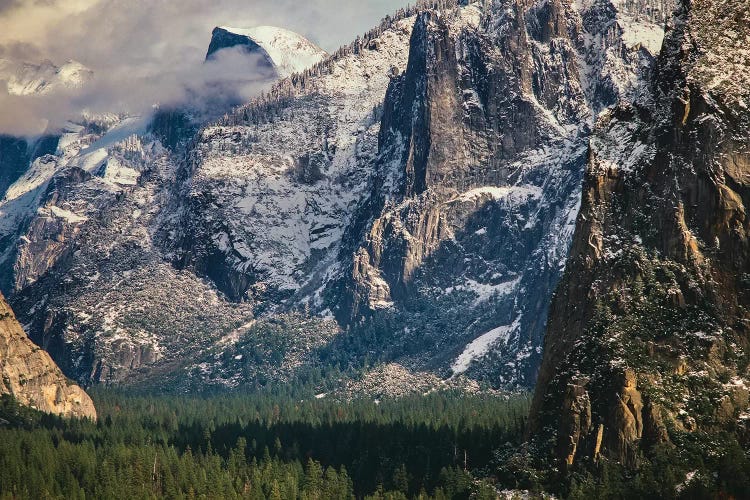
x,y
145,52
6,5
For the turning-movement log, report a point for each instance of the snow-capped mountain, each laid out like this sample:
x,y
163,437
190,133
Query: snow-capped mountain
x,y
286,51
82,208
23,79
436,195
420,186
28,80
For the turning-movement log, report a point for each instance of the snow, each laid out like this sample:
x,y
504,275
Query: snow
x,y
482,344
73,75
117,173
639,27
290,52
470,17
511,194
274,223
44,78
92,160
38,174
71,153
636,34
63,214
129,126
485,292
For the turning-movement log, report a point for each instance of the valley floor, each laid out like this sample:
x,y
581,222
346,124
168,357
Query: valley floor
x,y
259,446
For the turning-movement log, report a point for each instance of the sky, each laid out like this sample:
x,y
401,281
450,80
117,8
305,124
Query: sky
x,y
144,52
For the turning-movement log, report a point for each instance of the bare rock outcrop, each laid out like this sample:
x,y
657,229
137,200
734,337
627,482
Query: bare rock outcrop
x,y
32,378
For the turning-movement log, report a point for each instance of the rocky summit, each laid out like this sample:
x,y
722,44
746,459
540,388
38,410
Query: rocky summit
x,y
282,51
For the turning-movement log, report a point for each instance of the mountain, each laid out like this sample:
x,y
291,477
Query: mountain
x,y
407,201
24,79
646,348
431,207
89,209
32,378
283,50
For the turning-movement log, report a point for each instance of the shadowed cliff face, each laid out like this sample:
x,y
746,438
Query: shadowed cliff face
x,y
223,39
648,331
32,378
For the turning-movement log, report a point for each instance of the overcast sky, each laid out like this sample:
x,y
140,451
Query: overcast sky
x,y
143,51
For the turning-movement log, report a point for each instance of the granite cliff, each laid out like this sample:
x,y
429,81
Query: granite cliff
x,y
648,332
32,378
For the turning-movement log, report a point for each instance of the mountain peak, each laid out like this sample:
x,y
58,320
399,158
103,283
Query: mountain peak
x,y
23,78
288,52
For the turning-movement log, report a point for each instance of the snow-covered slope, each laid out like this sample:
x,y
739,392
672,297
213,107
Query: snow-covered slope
x,y
274,197
28,79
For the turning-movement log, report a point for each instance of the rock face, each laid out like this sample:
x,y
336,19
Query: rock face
x,y
32,378
650,321
481,148
224,38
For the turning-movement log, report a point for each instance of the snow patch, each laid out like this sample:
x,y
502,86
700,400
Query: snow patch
x,y
513,194
638,34
117,173
481,345
63,214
